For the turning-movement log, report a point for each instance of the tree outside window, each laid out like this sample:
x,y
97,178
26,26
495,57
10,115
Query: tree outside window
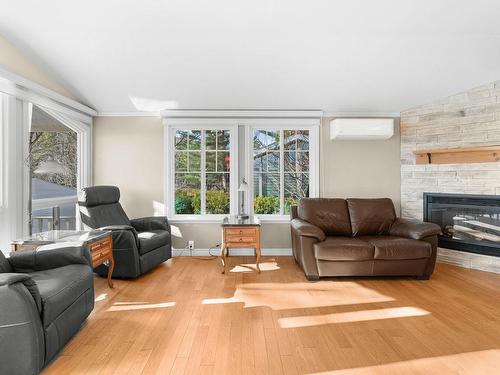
x,y
202,158
280,169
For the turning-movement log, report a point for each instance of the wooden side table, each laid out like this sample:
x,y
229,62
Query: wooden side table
x,y
237,233
100,244
101,251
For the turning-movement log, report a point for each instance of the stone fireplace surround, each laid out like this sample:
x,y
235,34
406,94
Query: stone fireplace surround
x,y
467,119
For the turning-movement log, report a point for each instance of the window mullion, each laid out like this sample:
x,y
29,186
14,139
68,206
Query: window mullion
x,y
282,173
203,190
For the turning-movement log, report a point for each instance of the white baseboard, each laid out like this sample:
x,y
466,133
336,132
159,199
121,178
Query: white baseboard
x,y
455,257
469,260
234,252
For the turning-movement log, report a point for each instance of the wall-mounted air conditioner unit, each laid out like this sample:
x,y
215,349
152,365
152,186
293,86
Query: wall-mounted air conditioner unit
x,y
361,128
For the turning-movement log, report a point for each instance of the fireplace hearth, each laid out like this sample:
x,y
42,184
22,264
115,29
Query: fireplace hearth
x,y
469,223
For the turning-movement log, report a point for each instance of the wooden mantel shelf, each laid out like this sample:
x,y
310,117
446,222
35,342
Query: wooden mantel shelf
x,y
486,154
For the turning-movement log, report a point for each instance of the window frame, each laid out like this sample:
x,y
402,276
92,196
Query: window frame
x,y
170,127
311,125
83,160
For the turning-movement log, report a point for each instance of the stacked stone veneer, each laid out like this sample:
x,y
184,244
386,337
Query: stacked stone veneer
x,y
468,119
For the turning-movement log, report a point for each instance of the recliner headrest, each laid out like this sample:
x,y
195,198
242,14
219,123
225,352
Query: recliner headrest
x,y
98,195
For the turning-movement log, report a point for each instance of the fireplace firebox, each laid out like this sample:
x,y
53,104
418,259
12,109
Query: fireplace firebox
x,y
469,222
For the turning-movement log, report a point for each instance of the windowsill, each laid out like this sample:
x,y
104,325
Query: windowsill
x,y
274,218
201,219
217,219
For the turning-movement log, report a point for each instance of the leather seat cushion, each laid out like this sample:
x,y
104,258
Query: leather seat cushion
x,y
343,249
101,216
152,240
371,216
328,214
398,248
60,287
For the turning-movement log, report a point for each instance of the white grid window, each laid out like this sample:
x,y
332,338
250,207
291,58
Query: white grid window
x,y
281,169
200,170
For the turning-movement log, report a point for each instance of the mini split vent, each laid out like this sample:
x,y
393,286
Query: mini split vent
x,y
362,129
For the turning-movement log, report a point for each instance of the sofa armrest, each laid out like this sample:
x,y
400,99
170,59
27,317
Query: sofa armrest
x,y
12,278
113,228
50,256
306,229
122,234
21,332
414,229
7,279
144,224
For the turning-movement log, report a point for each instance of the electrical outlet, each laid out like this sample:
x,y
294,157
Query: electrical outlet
x,y
191,245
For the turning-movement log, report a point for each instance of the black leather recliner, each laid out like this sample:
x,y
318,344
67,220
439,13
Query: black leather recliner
x,y
138,244
45,296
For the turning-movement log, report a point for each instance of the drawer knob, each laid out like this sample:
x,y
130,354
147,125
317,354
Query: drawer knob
x,y
241,232
241,239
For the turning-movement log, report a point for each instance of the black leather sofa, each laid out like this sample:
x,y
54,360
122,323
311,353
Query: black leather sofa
x,y
138,244
45,296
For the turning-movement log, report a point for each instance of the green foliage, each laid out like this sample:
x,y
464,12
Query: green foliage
x,y
290,201
196,202
188,201
266,204
183,204
217,202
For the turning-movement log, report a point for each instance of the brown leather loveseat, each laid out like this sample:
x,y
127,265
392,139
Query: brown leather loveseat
x,y
360,237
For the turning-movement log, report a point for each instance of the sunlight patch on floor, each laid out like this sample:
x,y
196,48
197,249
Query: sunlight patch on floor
x,y
126,306
251,267
282,296
478,362
101,297
351,316
216,301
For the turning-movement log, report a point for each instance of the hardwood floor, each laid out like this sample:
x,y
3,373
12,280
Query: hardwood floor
x,y
185,317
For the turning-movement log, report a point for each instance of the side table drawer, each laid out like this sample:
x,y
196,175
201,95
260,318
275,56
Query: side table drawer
x,y
240,240
100,251
100,244
100,255
240,232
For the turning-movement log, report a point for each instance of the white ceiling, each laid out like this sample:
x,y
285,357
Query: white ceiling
x,y
341,56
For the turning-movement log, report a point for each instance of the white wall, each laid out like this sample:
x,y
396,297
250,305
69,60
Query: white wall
x,y
360,169
128,153
14,61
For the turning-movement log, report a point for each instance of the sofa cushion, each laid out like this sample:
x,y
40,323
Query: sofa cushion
x,y
152,239
98,195
100,216
330,215
60,287
398,248
343,249
371,216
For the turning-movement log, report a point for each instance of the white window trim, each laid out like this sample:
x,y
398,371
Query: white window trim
x,y
313,125
20,92
83,132
25,89
170,126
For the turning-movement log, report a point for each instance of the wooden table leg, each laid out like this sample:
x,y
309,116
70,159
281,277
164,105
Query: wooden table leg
x,y
110,271
223,257
257,256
